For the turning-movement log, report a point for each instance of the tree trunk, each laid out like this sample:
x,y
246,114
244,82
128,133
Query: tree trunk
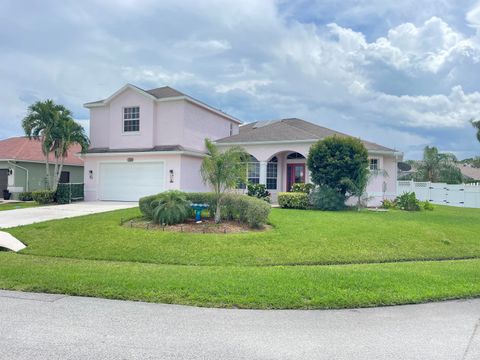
x,y
59,173
47,169
218,212
55,170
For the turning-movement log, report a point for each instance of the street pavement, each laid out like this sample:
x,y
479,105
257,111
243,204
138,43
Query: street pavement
x,y
41,326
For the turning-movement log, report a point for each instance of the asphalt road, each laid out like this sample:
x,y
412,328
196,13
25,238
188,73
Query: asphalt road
x,y
40,326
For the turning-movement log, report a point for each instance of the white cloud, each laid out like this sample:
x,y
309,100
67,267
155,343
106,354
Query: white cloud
x,y
257,61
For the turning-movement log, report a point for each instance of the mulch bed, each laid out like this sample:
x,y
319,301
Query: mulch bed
x,y
207,226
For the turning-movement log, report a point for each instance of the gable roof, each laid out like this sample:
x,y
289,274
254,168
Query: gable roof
x,y
23,149
165,93
291,129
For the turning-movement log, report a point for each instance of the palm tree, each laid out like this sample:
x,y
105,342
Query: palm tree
x,y
39,124
223,171
438,167
476,125
67,133
54,126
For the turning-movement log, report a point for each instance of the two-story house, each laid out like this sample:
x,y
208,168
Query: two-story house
x,y
147,141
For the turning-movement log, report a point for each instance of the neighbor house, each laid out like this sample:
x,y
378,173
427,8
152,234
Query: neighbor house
x,y
147,141
470,173
22,166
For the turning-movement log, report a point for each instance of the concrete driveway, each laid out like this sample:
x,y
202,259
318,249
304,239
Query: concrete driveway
x,y
12,218
40,326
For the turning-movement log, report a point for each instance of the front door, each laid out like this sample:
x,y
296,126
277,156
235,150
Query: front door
x,y
295,174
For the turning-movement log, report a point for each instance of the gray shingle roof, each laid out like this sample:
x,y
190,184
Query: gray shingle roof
x,y
287,130
165,92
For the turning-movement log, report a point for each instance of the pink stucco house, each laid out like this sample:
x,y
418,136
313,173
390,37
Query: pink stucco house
x,y
148,141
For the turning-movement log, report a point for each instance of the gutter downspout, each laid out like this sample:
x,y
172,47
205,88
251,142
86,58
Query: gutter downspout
x,y
21,167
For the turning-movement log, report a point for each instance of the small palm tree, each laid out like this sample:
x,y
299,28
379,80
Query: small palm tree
x,y
223,171
171,207
39,124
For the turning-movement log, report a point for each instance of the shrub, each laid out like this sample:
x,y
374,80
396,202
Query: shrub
x,y
248,210
63,194
426,205
293,200
302,187
259,191
145,205
256,214
334,159
388,204
25,196
43,196
408,201
326,198
170,207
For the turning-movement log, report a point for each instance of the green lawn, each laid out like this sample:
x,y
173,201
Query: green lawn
x,y
290,266
19,205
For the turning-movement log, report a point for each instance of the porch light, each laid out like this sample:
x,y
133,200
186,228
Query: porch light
x,y
171,175
90,174
10,171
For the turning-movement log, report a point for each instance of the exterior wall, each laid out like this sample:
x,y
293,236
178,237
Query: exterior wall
x,y
36,175
191,179
169,123
92,184
99,127
201,123
375,188
129,140
387,181
177,122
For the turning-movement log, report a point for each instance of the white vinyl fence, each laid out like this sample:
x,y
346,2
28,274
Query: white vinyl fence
x,y
464,195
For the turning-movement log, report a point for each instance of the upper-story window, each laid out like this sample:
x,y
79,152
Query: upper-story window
x,y
374,164
131,119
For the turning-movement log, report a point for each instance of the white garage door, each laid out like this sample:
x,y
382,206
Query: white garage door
x,y
130,181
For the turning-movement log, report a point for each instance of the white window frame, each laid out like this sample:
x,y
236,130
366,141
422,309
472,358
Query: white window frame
x,y
255,164
271,163
123,120
371,162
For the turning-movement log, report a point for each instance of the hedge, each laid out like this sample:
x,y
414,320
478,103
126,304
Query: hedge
x,y
43,196
293,200
246,209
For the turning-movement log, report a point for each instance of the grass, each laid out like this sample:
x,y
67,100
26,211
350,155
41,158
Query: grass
x,y
17,205
299,238
308,260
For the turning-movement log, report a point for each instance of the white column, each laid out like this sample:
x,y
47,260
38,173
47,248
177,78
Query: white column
x,y
263,172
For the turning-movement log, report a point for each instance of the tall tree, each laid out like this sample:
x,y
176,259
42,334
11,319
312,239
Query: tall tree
x,y
437,167
476,125
54,126
38,125
66,134
223,171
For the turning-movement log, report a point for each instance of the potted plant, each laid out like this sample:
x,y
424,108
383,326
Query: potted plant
x,y
6,194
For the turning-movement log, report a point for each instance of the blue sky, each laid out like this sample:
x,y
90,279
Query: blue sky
x,y
403,73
